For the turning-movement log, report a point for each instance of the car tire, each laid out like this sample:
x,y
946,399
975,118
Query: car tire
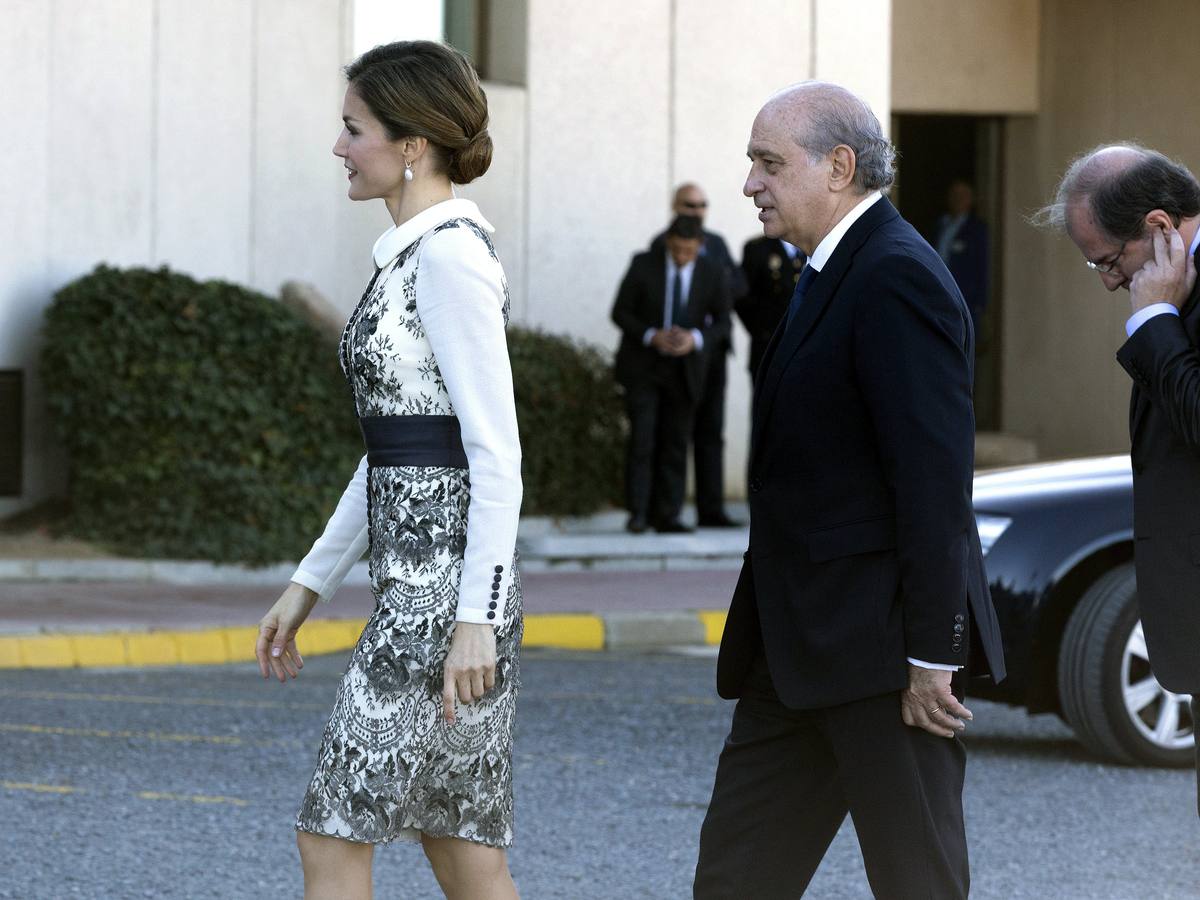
x,y
1109,695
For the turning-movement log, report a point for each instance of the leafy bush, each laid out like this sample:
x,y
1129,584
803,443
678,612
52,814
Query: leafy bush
x,y
572,424
207,421
203,420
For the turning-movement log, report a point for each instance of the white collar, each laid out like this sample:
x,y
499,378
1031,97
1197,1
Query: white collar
x,y
1195,243
830,241
671,267
393,241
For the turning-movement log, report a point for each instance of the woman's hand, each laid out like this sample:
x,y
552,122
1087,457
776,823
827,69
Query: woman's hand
x,y
470,669
276,646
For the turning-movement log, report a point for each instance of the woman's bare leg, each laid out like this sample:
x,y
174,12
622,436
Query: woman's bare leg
x,y
469,871
334,869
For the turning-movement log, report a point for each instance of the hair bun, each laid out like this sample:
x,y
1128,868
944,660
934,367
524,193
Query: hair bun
x,y
471,161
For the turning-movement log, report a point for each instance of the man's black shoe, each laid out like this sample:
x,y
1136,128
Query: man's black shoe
x,y
720,520
635,525
674,526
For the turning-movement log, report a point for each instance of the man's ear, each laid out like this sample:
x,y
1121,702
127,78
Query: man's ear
x,y
1157,218
842,167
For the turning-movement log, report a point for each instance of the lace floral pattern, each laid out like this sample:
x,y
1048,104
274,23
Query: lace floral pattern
x,y
389,766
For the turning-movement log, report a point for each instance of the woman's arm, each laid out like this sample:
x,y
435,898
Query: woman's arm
x,y
460,299
342,543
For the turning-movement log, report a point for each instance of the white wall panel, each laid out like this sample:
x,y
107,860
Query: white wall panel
x,y
203,110
297,180
101,150
24,182
599,86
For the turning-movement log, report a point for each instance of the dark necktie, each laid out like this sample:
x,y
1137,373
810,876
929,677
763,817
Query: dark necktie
x,y
677,299
807,277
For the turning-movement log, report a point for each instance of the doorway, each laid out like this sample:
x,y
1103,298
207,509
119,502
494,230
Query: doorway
x,y
934,151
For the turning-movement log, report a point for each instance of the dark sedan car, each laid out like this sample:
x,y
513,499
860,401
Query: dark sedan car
x,y
1058,540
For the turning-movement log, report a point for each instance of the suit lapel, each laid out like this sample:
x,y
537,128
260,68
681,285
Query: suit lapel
x,y
692,314
789,338
658,290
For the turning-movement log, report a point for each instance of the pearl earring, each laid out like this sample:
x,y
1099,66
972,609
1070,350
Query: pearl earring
x,y
408,176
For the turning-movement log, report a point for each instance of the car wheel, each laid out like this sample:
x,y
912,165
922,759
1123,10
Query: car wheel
x,y
1109,694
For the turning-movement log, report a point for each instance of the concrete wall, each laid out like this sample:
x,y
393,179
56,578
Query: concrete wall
x,y
1061,383
166,132
675,103
199,136
955,57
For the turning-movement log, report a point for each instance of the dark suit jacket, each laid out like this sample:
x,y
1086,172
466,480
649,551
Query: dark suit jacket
x,y
715,250
863,546
1164,427
770,280
640,302
968,262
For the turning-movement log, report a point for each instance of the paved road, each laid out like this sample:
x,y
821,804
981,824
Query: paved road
x,y
180,783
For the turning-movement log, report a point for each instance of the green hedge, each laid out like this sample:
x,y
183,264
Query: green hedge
x,y
572,424
207,421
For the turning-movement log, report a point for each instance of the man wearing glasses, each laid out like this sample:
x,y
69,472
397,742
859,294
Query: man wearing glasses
x,y
1135,216
708,429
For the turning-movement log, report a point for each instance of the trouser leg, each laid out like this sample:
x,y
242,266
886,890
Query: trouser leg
x,y
641,405
903,787
708,441
675,412
775,803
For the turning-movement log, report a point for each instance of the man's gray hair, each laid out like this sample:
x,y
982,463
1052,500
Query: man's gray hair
x,y
1121,183
841,117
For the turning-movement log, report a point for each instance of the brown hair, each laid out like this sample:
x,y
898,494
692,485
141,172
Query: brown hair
x,y
425,89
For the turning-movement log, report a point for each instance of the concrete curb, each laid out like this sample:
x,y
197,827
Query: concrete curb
x,y
216,646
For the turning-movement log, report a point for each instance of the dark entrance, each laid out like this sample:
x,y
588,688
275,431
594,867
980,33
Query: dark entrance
x,y
934,151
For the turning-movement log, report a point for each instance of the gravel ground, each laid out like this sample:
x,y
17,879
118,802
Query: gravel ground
x,y
181,783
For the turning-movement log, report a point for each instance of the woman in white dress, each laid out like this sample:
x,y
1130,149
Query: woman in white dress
x,y
419,745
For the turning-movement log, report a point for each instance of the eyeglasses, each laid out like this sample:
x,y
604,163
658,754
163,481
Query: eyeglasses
x,y
1105,268
697,204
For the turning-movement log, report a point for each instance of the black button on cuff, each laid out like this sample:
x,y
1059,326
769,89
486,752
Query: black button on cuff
x,y
957,648
499,569
958,618
491,615
495,595
492,605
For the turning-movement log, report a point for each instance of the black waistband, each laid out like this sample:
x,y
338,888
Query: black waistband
x,y
413,441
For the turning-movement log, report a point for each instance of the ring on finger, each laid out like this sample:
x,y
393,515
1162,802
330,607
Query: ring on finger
x,y
935,710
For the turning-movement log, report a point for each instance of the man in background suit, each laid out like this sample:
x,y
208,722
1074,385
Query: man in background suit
x,y
1135,216
771,267
961,240
708,428
863,590
672,309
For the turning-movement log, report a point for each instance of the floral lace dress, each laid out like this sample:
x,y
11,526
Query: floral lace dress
x,y
389,766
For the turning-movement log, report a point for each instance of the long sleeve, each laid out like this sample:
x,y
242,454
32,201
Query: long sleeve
x,y
342,543
625,312
913,365
1162,360
460,299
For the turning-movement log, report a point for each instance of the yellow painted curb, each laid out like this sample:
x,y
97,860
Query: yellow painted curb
x,y
214,646
564,631
714,625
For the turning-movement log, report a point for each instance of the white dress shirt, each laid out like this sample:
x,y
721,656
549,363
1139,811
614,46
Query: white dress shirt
x,y
685,280
817,261
1146,313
